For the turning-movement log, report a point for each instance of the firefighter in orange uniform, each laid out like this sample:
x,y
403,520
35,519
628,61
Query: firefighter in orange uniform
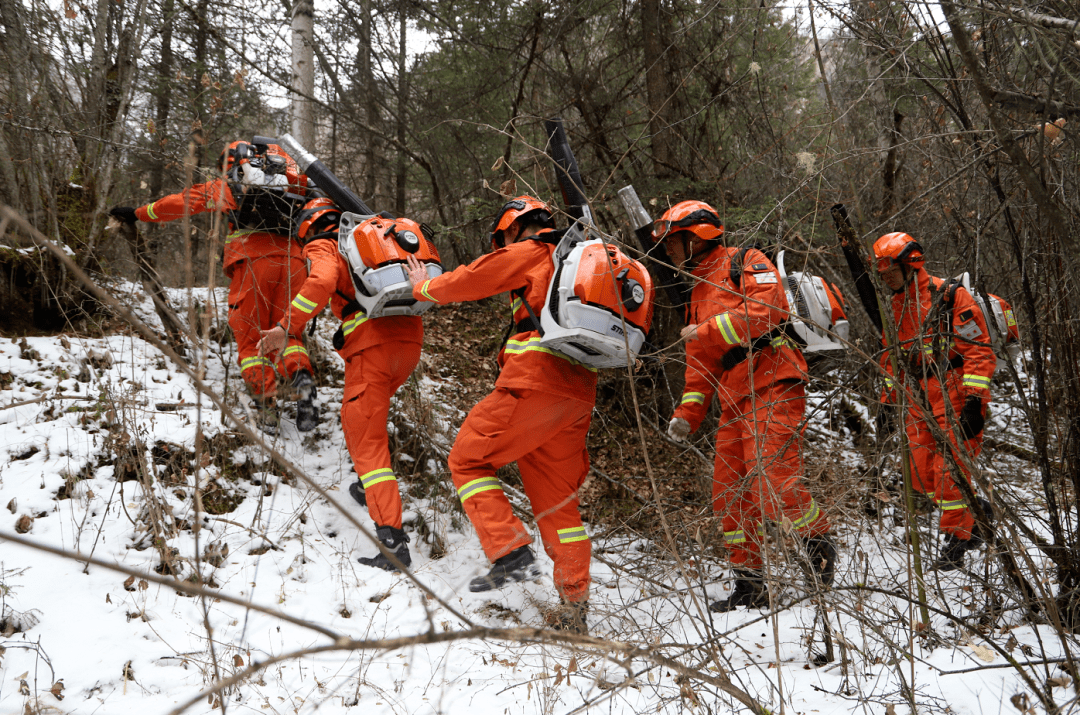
x,y
263,264
379,353
538,416
736,349
944,348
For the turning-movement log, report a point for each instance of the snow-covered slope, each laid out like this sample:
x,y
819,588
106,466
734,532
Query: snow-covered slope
x,y
104,443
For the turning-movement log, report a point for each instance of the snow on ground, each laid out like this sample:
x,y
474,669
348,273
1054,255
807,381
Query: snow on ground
x,y
96,414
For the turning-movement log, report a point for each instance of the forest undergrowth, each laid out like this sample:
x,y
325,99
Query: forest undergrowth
x,y
222,568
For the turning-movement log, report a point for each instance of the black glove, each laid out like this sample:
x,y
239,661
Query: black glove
x,y
124,213
885,422
971,417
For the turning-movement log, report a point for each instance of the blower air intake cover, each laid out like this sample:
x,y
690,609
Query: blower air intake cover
x,y
821,323
376,249
599,304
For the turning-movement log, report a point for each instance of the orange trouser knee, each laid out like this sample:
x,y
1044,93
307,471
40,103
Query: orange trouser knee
x,y
372,376
929,473
545,434
259,295
758,471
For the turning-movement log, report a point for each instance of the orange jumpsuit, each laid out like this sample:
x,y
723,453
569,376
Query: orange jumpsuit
x,y
758,471
961,354
265,270
538,416
380,354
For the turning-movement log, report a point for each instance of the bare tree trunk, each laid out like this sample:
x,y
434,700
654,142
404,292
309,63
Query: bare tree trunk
x,y
164,93
403,89
371,108
657,87
303,72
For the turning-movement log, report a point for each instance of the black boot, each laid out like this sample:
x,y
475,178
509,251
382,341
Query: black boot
x,y
395,541
569,616
750,591
820,558
266,415
514,566
952,553
307,415
356,491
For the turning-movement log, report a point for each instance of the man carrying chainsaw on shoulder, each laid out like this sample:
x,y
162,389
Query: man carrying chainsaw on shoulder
x,y
262,261
944,347
737,350
380,353
538,416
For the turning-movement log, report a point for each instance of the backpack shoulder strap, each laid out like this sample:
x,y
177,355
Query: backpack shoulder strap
x,y
736,269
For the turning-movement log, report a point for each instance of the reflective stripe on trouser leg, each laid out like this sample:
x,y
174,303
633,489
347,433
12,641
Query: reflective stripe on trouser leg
x,y
371,378
260,291
552,474
743,531
740,517
508,426
956,516
295,357
774,450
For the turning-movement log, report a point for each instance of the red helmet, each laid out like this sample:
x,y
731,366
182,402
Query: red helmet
x,y
697,217
898,248
317,217
523,210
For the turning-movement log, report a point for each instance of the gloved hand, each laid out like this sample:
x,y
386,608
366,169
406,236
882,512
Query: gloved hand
x,y
124,213
885,422
971,417
678,429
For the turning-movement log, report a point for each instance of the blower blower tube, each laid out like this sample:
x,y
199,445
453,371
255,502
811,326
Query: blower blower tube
x,y
329,184
566,169
642,223
849,243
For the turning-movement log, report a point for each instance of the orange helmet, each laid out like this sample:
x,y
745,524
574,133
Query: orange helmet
x,y
523,209
317,217
898,248
697,217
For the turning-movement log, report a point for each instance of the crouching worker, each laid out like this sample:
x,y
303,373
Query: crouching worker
x,y
538,416
736,348
379,353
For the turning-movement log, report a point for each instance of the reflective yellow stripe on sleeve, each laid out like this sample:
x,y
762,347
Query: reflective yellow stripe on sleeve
x,y
695,397
977,381
946,505
303,304
727,329
424,291
150,211
569,536
483,484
